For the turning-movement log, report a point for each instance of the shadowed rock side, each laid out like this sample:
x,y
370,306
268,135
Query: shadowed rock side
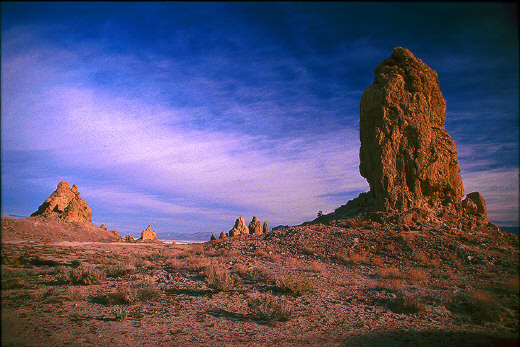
x,y
406,155
67,204
255,227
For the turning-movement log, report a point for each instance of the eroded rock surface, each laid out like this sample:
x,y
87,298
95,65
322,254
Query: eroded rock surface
x,y
240,228
406,155
67,204
148,234
255,227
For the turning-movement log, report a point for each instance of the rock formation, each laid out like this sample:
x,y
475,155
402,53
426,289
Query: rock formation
x,y
406,155
255,227
129,239
222,235
67,204
266,228
103,227
474,204
213,237
240,228
148,234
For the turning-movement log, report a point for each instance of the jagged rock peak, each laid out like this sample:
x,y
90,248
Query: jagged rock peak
x,y
67,204
406,155
148,234
240,227
255,227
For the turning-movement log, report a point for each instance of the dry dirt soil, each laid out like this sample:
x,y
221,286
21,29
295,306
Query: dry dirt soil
x,y
318,285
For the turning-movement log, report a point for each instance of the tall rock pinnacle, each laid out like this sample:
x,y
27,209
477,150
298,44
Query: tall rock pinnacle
x,y
406,155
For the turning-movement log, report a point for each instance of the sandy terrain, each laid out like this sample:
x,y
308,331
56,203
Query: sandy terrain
x,y
307,285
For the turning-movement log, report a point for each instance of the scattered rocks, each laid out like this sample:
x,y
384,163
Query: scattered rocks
x,y
406,155
255,227
67,204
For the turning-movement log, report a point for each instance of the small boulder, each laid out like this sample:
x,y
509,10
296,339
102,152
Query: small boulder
x,y
473,200
255,227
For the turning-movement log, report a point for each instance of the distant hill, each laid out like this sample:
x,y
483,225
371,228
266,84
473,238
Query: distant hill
x,y
198,236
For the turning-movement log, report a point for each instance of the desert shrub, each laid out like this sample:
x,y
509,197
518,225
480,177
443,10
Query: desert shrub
x,y
75,263
147,291
144,264
480,306
389,272
74,294
123,295
377,261
155,256
416,275
13,279
255,275
268,308
197,248
81,275
317,266
354,257
294,285
196,263
511,285
219,279
262,253
406,304
119,270
175,264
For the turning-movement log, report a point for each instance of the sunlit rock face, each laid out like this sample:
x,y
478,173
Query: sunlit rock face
x,y
67,204
406,155
240,228
148,234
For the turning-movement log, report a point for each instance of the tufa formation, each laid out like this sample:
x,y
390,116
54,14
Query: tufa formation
x,y
255,227
240,227
67,204
406,155
148,234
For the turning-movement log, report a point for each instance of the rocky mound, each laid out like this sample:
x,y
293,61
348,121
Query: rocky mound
x,y
53,229
67,204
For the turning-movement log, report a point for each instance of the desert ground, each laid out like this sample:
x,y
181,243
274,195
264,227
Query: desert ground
x,y
347,283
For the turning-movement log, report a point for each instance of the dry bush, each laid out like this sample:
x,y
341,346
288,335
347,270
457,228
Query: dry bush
x,y
354,257
511,285
233,252
275,257
317,266
416,275
377,261
219,279
197,248
357,222
294,285
421,257
262,253
196,263
406,304
389,272
309,250
143,291
255,275
120,269
212,252
81,275
174,264
268,309
74,294
144,264
13,279
480,306
290,261
390,247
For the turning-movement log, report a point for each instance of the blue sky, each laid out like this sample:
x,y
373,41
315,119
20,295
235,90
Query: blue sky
x,y
187,115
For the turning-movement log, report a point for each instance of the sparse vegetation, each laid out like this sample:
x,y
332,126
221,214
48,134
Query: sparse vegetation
x,y
269,309
81,275
294,285
219,279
